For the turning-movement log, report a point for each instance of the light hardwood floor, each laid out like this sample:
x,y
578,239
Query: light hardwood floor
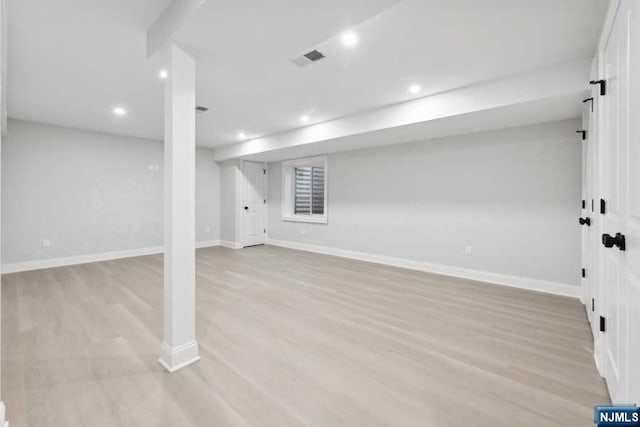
x,y
290,338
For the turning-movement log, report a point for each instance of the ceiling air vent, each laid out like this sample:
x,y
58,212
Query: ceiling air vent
x,y
201,109
307,58
314,55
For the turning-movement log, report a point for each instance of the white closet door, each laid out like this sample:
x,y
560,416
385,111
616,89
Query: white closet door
x,y
632,195
254,208
620,278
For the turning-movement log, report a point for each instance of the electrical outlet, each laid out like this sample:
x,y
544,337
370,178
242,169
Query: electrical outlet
x,y
154,168
46,243
467,250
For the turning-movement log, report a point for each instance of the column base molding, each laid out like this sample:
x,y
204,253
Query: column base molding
x,y
174,358
3,421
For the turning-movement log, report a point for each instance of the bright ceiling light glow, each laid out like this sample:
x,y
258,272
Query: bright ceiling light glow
x,y
414,89
305,119
242,135
349,39
119,111
163,74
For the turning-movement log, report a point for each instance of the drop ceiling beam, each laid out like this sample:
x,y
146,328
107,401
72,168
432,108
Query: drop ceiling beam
x,y
169,22
558,81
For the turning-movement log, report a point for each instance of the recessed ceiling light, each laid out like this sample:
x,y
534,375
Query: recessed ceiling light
x,y
119,111
163,74
242,135
349,39
305,119
414,89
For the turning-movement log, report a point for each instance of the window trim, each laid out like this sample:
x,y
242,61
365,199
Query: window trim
x,y
288,189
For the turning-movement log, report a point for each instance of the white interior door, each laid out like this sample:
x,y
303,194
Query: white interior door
x,y
590,209
632,217
621,223
593,196
254,203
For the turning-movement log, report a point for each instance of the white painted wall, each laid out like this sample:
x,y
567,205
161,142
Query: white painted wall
x,y
513,195
230,181
208,205
89,193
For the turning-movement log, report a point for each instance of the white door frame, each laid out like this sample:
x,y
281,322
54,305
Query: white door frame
x,y
611,358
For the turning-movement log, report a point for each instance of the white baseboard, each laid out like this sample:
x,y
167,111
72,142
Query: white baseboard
x,y
174,358
83,259
231,245
207,244
79,259
563,289
597,362
448,270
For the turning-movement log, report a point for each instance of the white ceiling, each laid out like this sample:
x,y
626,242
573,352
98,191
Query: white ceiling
x,y
72,61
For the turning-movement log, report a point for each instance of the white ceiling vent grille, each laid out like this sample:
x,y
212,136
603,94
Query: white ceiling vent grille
x,y
307,58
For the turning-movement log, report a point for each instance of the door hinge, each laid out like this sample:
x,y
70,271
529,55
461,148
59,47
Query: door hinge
x,y
584,134
584,272
264,201
593,304
264,171
603,206
265,231
602,324
592,205
587,100
603,85
584,204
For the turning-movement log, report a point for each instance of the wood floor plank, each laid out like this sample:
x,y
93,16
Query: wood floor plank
x,y
290,338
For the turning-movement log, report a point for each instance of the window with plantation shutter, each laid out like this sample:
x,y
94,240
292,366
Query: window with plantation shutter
x,y
309,190
304,183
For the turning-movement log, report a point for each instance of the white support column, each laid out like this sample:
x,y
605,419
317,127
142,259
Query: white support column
x,y
179,348
3,132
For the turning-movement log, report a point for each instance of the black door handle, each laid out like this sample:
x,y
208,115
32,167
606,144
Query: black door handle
x,y
584,221
246,208
618,240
